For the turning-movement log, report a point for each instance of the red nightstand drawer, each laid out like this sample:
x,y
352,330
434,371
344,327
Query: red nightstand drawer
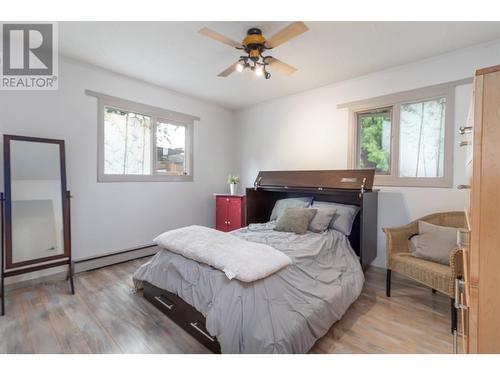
x,y
229,212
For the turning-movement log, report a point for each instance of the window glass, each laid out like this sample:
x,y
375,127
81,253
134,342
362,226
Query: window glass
x,y
127,142
421,145
170,148
374,130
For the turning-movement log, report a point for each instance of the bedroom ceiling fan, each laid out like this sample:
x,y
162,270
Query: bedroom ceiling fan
x,y
254,45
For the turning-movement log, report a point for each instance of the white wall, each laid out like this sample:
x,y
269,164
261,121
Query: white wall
x,y
306,131
108,217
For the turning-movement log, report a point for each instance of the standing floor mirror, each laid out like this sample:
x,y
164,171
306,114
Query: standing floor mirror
x,y
35,208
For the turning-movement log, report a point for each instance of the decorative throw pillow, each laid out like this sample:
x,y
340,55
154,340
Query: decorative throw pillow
x,y
321,221
413,243
435,242
344,215
295,220
281,205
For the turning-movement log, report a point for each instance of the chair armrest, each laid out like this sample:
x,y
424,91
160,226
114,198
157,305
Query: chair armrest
x,y
397,239
456,263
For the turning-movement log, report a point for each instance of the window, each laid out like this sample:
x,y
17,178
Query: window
x,y
374,130
170,148
407,138
421,138
126,142
142,143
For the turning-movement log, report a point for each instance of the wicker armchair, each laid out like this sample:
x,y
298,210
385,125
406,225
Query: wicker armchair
x,y
436,276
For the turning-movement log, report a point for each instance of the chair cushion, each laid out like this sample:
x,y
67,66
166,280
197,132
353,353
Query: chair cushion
x,y
434,275
435,242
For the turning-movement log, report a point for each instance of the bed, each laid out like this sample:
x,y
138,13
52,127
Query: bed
x,y
285,312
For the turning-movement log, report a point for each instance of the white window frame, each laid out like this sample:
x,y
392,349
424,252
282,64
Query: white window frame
x,y
395,101
157,115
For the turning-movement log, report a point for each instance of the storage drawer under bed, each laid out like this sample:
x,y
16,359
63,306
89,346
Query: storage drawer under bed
x,y
183,314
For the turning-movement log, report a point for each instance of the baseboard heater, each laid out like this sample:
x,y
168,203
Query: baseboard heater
x,y
92,263
88,264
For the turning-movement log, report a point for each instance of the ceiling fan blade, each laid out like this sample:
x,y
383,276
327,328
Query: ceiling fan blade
x,y
287,33
219,37
280,66
228,71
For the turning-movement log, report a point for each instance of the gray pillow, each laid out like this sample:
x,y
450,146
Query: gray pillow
x,y
344,215
321,221
413,243
281,205
435,242
295,220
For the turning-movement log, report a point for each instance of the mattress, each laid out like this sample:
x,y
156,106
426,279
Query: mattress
x,y
283,313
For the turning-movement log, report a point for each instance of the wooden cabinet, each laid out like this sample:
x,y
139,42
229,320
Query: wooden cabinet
x,y
482,258
229,212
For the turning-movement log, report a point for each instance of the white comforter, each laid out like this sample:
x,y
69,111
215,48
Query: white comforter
x,y
244,260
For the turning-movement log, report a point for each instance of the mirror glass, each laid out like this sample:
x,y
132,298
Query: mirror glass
x,y
37,198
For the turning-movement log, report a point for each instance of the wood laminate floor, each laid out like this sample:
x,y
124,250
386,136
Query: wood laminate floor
x,y
106,317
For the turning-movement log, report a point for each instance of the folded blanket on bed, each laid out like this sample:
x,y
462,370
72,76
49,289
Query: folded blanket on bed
x,y
237,258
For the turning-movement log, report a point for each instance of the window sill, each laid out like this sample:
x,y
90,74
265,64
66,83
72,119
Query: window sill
x,y
129,178
439,183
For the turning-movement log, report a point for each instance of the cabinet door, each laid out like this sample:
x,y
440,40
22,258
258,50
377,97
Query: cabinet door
x,y
235,213
221,213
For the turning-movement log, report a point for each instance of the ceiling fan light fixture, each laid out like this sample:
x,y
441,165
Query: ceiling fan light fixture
x,y
254,46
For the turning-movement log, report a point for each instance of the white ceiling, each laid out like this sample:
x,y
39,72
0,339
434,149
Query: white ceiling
x,y
174,55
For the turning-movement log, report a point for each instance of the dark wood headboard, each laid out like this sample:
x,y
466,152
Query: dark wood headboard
x,y
345,179
260,201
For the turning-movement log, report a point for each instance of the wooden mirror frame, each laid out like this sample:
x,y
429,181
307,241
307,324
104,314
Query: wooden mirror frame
x,y
9,264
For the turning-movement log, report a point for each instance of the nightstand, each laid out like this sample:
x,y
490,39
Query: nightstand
x,y
229,212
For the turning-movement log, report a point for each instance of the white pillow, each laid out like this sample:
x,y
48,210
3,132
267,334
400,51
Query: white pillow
x,y
344,215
